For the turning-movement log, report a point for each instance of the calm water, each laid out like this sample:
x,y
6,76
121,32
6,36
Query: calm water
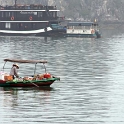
x,y
91,88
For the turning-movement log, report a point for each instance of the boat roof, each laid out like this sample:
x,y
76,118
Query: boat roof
x,y
30,7
81,23
25,61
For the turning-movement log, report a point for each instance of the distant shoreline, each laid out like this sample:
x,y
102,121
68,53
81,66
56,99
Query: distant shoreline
x,y
112,22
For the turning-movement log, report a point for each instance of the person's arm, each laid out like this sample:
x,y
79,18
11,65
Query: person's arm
x,y
16,73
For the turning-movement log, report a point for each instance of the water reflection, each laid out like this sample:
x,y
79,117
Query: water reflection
x,y
15,96
16,90
90,90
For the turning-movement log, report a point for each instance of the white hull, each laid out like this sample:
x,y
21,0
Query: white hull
x,y
25,32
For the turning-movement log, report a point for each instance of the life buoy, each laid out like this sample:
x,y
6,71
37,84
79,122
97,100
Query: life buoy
x,y
30,18
92,31
12,18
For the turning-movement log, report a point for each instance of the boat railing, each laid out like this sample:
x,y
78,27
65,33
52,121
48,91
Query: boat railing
x,y
29,7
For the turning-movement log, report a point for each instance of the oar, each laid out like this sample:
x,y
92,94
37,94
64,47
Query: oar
x,y
34,84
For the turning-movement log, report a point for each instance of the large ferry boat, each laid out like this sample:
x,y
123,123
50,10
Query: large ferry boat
x,y
28,20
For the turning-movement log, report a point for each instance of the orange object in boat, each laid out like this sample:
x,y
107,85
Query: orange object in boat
x,y
47,75
8,78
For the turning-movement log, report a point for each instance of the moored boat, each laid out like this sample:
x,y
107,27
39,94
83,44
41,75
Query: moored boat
x,y
37,80
29,20
82,29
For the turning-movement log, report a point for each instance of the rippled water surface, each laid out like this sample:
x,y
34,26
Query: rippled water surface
x,y
91,89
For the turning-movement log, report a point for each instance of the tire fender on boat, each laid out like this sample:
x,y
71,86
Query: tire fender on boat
x,y
12,18
30,18
92,31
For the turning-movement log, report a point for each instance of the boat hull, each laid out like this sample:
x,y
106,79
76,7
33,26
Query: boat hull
x,y
39,83
81,35
52,33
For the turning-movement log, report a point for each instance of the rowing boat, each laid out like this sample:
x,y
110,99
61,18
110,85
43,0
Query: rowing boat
x,y
37,80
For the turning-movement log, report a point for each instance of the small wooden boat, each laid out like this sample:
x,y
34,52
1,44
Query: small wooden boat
x,y
42,80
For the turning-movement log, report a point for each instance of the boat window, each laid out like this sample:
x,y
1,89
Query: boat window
x,y
87,27
2,25
35,7
77,27
2,14
35,13
23,7
54,14
91,27
20,7
7,25
51,14
70,27
40,14
31,7
7,14
38,7
27,7
33,25
12,13
20,25
56,26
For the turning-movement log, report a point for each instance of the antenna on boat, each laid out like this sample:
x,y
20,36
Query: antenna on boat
x,y
15,3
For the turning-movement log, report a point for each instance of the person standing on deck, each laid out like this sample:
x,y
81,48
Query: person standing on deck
x,y
14,72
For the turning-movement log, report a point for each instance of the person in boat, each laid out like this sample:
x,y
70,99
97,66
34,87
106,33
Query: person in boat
x,y
14,71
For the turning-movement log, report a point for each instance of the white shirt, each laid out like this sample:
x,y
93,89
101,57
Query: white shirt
x,y
14,71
